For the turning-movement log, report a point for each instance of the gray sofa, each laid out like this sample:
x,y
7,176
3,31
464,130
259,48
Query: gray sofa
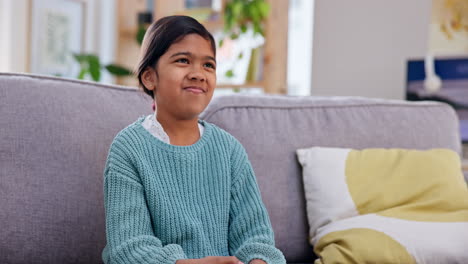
x,y
55,134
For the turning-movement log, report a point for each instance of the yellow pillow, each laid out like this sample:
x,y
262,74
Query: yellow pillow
x,y
386,205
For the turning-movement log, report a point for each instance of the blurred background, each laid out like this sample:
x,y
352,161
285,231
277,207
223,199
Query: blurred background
x,y
295,47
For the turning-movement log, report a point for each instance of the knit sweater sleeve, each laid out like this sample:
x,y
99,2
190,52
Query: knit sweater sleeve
x,y
129,233
250,232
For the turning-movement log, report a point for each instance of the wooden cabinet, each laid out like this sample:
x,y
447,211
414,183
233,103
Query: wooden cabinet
x,y
275,47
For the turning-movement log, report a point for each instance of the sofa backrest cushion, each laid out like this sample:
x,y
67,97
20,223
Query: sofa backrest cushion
x,y
272,128
54,139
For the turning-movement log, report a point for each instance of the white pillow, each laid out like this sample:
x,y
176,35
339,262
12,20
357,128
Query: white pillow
x,y
386,205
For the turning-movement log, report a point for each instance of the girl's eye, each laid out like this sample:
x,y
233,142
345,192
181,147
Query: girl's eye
x,y
183,60
210,65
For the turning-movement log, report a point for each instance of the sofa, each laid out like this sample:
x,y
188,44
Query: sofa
x,y
55,134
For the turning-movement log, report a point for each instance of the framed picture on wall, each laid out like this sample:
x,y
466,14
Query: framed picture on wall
x,y
57,31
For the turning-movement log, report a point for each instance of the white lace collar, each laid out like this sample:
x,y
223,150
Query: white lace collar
x,y
155,128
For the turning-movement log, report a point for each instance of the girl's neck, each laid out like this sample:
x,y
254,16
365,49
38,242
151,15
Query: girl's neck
x,y
180,132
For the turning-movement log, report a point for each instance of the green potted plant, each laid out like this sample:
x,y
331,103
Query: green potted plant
x,y
240,15
91,66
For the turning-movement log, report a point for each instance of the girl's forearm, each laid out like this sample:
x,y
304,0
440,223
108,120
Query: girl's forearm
x,y
257,261
188,261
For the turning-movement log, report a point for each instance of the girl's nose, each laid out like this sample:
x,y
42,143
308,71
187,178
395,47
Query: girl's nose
x,y
196,75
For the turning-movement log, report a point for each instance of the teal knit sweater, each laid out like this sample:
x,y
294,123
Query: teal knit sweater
x,y
166,202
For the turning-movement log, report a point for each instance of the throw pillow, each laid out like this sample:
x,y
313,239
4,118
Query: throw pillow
x,y
386,205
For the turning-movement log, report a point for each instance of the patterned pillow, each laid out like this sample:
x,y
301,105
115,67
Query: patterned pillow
x,y
386,205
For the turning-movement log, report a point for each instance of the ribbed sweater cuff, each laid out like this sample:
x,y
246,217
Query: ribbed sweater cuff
x,y
267,253
172,253
165,255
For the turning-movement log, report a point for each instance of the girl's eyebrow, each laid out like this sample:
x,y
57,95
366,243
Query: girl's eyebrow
x,y
186,53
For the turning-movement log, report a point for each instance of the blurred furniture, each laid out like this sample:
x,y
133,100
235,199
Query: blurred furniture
x,y
275,49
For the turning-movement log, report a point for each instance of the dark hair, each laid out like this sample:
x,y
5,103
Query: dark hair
x,y
161,35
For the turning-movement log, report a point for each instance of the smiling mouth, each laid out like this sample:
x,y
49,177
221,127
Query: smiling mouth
x,y
195,89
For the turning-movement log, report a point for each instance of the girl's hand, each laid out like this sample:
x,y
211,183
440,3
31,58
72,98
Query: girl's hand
x,y
257,261
210,260
220,260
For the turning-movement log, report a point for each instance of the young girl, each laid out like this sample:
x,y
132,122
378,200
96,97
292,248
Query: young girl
x,y
178,189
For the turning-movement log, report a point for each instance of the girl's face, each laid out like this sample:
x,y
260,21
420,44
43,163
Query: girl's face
x,y
185,78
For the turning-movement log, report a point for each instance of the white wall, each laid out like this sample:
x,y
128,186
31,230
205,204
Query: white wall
x,y
361,47
14,28
106,35
300,19
3,46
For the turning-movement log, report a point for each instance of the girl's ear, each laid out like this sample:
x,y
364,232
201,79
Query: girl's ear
x,y
149,78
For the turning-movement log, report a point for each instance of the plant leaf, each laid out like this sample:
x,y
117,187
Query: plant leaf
x,y
80,57
264,9
140,34
82,74
229,74
230,21
236,8
118,70
234,36
255,14
243,28
258,29
94,67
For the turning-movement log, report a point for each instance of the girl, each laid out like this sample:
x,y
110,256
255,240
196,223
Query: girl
x,y
178,189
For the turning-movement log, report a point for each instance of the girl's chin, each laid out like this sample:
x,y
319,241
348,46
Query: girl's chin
x,y
192,113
